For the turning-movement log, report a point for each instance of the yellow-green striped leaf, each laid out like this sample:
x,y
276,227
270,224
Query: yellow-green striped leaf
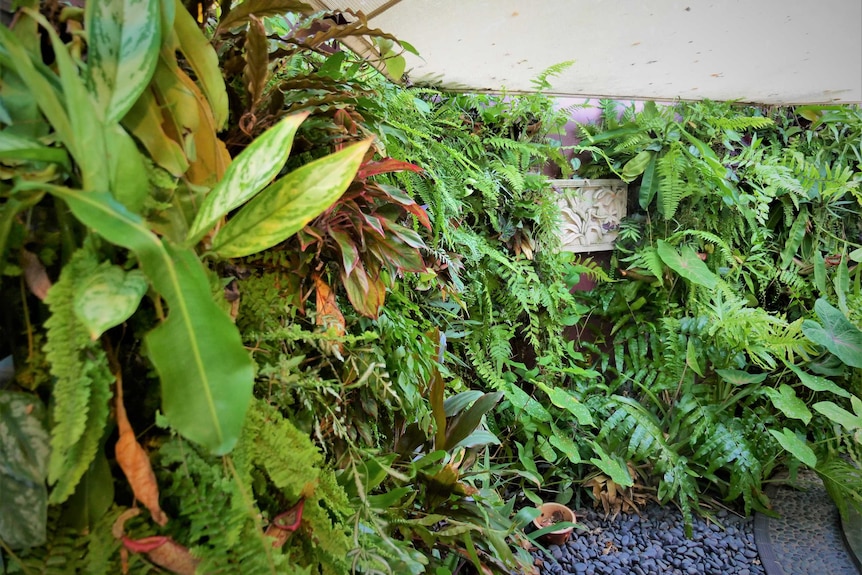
x,y
248,173
123,47
288,204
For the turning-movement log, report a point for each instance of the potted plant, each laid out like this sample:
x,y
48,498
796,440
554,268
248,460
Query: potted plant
x,y
551,514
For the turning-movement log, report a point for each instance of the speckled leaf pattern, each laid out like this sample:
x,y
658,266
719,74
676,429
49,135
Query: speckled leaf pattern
x,y
108,298
289,203
23,466
123,47
248,173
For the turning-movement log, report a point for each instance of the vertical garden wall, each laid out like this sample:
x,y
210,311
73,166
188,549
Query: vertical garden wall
x,y
266,311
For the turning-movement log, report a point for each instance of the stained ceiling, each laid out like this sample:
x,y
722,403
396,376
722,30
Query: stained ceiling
x,y
764,51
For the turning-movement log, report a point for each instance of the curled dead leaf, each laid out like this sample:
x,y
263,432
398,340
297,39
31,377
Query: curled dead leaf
x,y
329,316
35,275
164,552
135,463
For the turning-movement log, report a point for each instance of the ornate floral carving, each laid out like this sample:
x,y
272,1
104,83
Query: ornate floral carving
x,y
591,213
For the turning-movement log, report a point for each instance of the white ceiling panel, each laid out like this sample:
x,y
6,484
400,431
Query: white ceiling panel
x,y
766,51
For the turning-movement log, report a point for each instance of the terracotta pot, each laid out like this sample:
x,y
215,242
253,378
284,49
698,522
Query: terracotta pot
x,y
552,513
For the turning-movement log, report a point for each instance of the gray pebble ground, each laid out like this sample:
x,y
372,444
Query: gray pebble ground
x,y
654,543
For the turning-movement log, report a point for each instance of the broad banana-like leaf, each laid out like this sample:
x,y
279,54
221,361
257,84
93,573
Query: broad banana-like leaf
x,y
123,46
289,203
206,374
203,59
24,452
248,173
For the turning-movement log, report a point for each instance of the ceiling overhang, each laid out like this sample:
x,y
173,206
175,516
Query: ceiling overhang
x,y
763,51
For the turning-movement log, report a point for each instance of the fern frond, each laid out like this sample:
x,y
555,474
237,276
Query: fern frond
x,y
740,123
83,381
672,188
843,483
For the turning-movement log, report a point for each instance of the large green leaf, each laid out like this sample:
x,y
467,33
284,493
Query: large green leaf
x,y
122,50
687,264
248,173
817,383
289,203
850,421
836,334
785,399
738,377
206,374
565,400
23,467
796,446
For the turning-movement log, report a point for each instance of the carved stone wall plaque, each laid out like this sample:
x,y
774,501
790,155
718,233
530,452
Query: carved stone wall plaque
x,y
591,213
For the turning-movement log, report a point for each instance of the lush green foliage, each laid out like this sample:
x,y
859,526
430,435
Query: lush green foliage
x,y
722,333
340,317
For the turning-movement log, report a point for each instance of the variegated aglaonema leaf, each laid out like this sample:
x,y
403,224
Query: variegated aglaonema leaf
x,y
123,47
24,452
109,297
289,203
205,371
248,173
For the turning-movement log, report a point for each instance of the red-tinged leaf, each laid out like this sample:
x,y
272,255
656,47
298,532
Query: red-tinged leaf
x,y
290,519
375,224
164,552
283,526
349,253
408,236
407,202
366,301
385,166
307,236
360,275
398,255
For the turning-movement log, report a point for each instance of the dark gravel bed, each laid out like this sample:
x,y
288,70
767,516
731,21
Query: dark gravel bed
x,y
654,543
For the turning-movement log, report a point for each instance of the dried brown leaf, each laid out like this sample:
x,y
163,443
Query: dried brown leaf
x,y
34,274
164,552
135,463
256,71
261,9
